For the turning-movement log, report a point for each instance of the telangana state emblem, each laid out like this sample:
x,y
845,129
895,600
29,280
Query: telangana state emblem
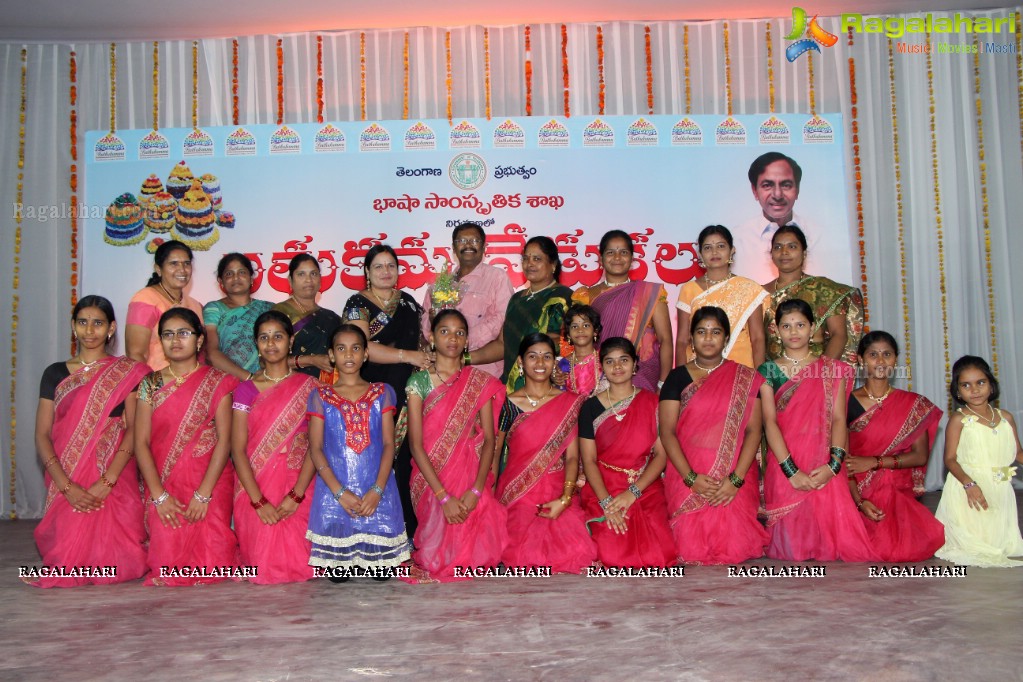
x,y
468,171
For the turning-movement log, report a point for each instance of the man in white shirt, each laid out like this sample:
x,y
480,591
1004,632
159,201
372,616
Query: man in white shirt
x,y
774,179
485,289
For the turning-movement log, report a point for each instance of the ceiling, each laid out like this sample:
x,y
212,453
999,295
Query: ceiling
x,y
103,20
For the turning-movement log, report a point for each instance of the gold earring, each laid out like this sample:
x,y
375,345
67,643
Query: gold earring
x,y
731,260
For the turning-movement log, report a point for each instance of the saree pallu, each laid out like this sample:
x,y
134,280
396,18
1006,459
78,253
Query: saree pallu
x,y
534,475
277,446
235,330
86,440
819,524
628,310
453,438
826,298
543,312
584,376
312,335
711,427
909,531
740,298
182,443
623,450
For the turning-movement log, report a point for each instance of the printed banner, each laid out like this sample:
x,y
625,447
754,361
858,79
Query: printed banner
x,y
335,189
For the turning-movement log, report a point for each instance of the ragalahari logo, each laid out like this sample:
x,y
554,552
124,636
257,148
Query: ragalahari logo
x,y
807,36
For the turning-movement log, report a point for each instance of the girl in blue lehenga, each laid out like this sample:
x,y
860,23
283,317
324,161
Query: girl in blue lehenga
x,y
355,525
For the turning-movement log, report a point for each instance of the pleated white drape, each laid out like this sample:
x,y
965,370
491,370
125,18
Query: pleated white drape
x,y
941,326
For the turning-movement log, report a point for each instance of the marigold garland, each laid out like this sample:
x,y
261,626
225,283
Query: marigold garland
x,y
19,197
405,70
770,67
195,84
234,81
280,81
813,93
113,88
649,71
319,77
73,180
447,71
1019,79
156,85
529,77
600,71
907,344
859,181
564,65
939,228
486,71
685,61
362,76
728,73
985,214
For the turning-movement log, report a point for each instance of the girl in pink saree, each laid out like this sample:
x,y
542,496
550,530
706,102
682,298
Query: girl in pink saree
x,y
623,460
83,434
540,467
182,442
451,415
810,511
269,436
710,426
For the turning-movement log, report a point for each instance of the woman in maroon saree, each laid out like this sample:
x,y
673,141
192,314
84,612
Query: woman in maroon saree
x,y
182,443
623,460
810,511
451,415
634,309
540,468
83,434
710,425
269,436
890,437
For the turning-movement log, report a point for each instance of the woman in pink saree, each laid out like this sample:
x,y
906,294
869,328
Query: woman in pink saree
x,y
182,443
623,460
890,437
634,309
810,511
710,425
83,434
540,468
269,437
451,415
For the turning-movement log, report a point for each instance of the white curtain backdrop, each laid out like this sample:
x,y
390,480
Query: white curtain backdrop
x,y
942,325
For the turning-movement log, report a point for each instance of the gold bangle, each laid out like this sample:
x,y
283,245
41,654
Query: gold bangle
x,y
441,494
103,479
63,491
401,355
49,462
567,501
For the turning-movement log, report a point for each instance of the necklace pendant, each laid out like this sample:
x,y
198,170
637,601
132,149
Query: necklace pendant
x,y
619,417
532,403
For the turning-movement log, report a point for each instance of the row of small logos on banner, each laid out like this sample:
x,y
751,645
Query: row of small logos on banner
x,y
508,135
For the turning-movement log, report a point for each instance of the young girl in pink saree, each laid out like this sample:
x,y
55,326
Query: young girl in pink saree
x,y
269,436
710,426
182,443
623,460
540,468
810,511
83,434
451,415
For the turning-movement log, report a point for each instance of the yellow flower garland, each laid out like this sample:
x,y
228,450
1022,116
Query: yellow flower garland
x,y
858,178
486,71
195,84
601,88
447,71
113,88
813,94
405,82
907,345
156,85
685,61
985,215
939,229
770,68
362,76
728,74
19,196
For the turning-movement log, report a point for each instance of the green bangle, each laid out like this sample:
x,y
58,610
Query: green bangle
x,y
466,358
734,479
788,467
690,478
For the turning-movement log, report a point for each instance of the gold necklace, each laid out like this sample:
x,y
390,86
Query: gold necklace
x,y
990,421
168,294
876,399
299,305
532,293
178,380
86,366
276,381
708,370
531,401
610,285
620,415
451,379
715,282
795,362
390,299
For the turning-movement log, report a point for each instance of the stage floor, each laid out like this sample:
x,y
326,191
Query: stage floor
x,y
703,626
